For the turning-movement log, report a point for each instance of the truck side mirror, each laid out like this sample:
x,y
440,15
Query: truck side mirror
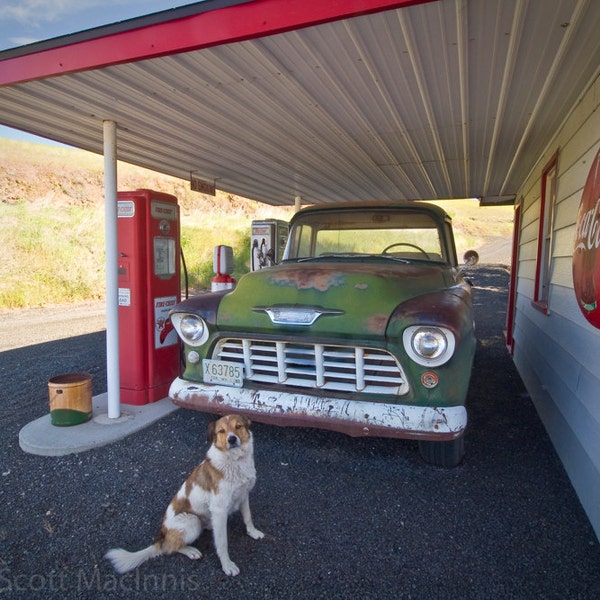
x,y
470,258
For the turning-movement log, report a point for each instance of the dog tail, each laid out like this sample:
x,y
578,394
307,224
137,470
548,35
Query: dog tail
x,y
123,561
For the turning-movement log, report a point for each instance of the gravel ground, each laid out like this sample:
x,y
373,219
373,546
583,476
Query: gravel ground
x,y
344,518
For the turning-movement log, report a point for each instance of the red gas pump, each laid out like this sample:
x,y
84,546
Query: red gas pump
x,y
149,286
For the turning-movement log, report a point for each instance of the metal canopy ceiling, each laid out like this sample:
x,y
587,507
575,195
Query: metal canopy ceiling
x,y
443,99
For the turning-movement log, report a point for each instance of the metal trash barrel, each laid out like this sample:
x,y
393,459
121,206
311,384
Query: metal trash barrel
x,y
70,399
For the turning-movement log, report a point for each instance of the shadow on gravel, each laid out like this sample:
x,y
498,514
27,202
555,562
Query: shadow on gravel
x,y
345,518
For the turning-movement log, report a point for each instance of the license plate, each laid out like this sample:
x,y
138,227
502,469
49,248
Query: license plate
x,y
220,371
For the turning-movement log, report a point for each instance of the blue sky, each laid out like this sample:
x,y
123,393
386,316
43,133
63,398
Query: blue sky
x,y
27,21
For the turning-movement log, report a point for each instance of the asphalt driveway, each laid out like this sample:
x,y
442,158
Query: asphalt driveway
x,y
344,518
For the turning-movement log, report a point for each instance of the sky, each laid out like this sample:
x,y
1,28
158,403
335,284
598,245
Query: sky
x,y
28,21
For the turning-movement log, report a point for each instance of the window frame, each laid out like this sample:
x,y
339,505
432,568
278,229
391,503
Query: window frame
x,y
549,184
512,289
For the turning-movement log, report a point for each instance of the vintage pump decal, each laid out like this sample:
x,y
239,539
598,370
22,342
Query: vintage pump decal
x,y
162,306
586,255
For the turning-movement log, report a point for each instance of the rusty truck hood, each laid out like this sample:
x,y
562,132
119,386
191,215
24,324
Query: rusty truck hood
x,y
350,298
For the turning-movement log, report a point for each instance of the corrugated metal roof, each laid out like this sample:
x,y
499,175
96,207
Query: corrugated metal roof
x,y
448,99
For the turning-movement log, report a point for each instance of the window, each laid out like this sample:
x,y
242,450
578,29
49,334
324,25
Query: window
x,y
544,251
407,234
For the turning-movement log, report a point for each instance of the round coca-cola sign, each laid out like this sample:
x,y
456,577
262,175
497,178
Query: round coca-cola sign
x,y
586,255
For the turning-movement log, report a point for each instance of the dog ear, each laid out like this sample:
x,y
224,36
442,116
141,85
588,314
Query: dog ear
x,y
210,432
246,421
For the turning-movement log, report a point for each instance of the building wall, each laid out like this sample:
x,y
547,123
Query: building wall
x,y
558,353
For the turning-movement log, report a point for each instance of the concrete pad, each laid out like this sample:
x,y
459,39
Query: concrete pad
x,y
42,438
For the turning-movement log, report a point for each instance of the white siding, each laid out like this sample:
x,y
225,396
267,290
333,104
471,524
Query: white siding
x,y
558,354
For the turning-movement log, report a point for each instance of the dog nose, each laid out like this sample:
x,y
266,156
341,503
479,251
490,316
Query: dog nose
x,y
233,440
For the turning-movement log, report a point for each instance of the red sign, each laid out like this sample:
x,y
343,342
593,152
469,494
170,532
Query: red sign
x,y
586,255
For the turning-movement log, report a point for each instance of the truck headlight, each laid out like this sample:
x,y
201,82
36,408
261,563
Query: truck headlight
x,y
429,346
191,328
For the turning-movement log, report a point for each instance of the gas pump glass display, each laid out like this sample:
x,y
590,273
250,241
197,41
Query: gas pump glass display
x,y
164,257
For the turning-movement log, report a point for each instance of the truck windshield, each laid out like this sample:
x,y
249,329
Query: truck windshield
x,y
409,235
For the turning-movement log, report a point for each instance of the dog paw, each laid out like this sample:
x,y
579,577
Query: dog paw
x,y
191,552
230,568
255,534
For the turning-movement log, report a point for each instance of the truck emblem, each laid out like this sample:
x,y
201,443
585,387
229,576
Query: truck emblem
x,y
295,315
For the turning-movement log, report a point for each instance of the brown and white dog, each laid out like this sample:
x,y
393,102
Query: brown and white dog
x,y
217,487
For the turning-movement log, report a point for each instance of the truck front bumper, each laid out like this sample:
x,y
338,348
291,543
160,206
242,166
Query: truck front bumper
x,y
352,417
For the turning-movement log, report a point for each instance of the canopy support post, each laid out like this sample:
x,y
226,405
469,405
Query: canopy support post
x,y
112,284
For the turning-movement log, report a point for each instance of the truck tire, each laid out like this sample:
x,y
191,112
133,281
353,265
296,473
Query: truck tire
x,y
443,454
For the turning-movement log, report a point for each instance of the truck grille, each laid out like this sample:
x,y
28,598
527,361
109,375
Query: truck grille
x,y
325,367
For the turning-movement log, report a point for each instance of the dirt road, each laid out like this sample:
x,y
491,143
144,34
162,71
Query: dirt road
x,y
28,326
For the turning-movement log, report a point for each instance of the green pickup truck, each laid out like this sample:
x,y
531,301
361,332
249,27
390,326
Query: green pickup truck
x,y
365,327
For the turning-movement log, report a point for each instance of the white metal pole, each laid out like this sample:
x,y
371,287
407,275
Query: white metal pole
x,y
297,203
112,283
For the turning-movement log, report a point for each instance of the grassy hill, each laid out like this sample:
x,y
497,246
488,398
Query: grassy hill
x,y
52,223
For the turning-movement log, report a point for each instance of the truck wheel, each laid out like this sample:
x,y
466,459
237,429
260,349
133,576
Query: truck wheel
x,y
443,454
